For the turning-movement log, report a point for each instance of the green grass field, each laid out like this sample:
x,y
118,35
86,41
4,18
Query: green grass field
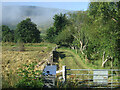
x,y
71,59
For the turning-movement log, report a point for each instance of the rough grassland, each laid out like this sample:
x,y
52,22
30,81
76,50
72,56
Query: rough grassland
x,y
13,60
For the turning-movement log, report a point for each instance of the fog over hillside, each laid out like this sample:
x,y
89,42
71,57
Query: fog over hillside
x,y
12,15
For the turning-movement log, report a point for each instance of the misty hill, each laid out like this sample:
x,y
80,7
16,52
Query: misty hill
x,y
43,17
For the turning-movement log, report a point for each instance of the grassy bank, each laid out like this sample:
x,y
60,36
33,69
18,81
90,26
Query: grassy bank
x,y
72,59
86,64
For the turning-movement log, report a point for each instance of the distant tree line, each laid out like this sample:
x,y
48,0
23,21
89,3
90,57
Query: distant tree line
x,y
95,33
26,32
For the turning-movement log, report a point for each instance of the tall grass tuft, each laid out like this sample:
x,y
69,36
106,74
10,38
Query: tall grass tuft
x,y
20,46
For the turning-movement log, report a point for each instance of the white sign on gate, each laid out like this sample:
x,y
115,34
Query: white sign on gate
x,y
100,77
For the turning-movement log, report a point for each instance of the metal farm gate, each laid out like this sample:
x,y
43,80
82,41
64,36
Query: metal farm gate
x,y
93,78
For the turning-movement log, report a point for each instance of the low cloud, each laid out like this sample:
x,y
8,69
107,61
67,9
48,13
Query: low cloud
x,y
12,15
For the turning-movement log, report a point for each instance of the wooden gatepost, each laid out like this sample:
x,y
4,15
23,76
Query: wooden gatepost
x,y
50,59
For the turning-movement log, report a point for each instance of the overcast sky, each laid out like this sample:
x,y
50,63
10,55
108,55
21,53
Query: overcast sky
x,y
59,0
45,0
61,5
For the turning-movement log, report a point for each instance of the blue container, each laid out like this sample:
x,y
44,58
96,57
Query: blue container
x,y
50,70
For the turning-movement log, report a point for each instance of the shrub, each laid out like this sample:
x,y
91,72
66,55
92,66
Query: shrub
x,y
29,77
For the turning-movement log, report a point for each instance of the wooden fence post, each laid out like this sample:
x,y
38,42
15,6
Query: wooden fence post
x,y
64,73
